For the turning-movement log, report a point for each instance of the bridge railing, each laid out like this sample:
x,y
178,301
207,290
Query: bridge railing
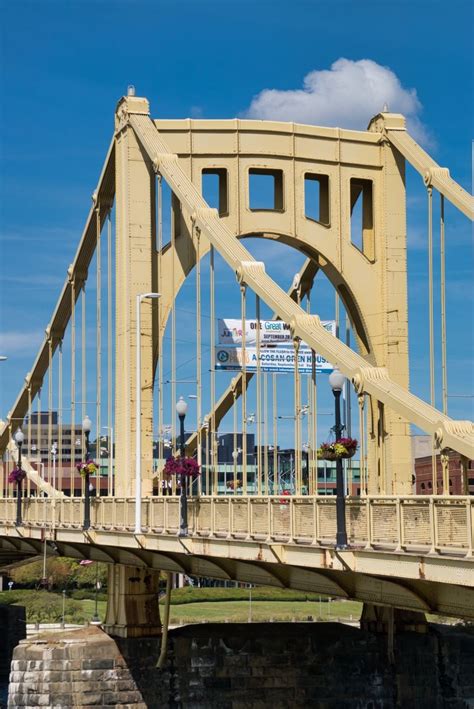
x,y
435,523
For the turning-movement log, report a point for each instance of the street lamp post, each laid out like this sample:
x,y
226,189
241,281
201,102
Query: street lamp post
x,y
306,448
86,427
138,413
336,381
96,620
19,438
54,452
181,409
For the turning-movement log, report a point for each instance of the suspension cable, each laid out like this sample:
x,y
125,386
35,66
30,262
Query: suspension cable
x,y
431,328
60,417
50,405
214,461
83,376
362,467
444,371
98,349
161,481
243,306
38,430
199,358
29,439
259,402
110,436
276,475
266,490
297,400
73,381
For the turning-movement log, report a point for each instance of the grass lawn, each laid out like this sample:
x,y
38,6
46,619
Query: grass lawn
x,y
260,611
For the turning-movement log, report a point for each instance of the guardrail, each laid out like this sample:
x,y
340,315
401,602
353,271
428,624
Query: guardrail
x,y
428,523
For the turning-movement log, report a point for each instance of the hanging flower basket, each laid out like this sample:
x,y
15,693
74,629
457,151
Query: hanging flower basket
x,y
16,475
284,501
87,468
342,448
181,466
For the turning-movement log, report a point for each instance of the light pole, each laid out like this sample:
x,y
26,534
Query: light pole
x,y
96,620
336,381
64,607
110,445
19,438
306,449
86,427
181,409
138,413
54,452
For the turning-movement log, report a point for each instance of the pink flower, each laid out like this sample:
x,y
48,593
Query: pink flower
x,y
181,466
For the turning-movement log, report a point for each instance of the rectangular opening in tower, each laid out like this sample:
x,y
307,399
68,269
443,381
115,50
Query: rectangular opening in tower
x,y
362,217
316,197
265,189
215,189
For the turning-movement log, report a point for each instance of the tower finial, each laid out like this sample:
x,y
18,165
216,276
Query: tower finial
x,y
385,108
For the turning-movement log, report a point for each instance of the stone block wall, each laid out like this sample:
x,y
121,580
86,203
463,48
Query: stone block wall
x,y
240,666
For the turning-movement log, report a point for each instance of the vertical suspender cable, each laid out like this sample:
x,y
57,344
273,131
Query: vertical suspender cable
x,y
348,412
60,417
259,402
50,404
38,432
276,481
266,490
297,398
72,468
431,327
161,482
110,424
362,468
173,335
83,361
29,438
199,358
243,302
83,373
214,460
444,371
234,451
98,350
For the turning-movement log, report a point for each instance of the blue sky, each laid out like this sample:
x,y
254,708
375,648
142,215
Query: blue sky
x,y
66,63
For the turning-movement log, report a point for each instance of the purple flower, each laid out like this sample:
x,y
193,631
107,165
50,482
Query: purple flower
x,y
16,475
181,466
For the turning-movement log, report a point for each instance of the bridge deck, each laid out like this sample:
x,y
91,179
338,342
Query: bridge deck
x,y
412,552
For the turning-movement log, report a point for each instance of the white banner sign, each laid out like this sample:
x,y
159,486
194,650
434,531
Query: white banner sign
x,y
272,332
275,359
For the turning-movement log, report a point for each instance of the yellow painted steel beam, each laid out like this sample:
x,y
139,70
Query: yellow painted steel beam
x,y
458,435
392,125
77,271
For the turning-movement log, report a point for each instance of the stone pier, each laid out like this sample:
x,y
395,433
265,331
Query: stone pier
x,y
237,666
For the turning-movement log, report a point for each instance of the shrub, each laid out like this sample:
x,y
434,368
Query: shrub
x,y
191,594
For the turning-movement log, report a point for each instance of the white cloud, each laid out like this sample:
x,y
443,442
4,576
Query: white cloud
x,y
346,95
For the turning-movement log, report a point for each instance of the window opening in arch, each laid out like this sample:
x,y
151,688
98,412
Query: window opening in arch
x,y
265,189
215,189
316,197
362,217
